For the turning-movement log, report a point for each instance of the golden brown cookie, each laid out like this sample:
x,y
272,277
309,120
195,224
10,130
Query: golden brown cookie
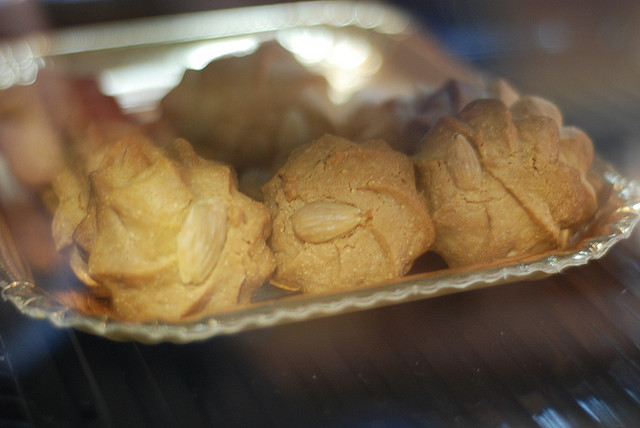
x,y
345,215
165,233
498,184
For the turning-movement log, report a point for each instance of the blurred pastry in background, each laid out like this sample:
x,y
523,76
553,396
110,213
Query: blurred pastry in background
x,y
31,140
249,111
345,215
58,115
404,120
41,126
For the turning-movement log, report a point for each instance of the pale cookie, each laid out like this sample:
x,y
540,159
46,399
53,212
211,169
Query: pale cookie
x,y
165,233
345,215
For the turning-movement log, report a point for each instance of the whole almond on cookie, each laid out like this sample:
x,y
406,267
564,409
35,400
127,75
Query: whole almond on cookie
x,y
323,221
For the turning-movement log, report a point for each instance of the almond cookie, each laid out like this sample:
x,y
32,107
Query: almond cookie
x,y
504,182
345,215
163,232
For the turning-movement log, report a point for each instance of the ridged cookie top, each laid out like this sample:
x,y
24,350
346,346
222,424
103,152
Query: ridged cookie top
x,y
164,232
521,153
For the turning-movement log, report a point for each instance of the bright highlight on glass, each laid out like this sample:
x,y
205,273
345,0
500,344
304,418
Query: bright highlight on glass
x,y
201,55
346,61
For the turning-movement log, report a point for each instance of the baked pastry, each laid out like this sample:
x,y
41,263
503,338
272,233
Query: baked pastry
x,y
43,123
249,111
403,121
504,182
29,137
345,215
162,232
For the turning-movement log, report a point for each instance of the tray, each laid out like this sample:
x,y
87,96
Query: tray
x,y
137,62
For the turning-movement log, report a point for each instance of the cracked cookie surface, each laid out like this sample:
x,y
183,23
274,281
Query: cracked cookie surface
x,y
162,233
345,215
504,182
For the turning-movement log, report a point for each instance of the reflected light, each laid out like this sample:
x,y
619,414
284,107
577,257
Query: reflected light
x,y
18,64
310,46
349,55
600,411
346,61
550,418
202,55
139,86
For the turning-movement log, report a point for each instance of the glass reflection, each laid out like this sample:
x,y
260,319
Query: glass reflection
x,y
346,61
